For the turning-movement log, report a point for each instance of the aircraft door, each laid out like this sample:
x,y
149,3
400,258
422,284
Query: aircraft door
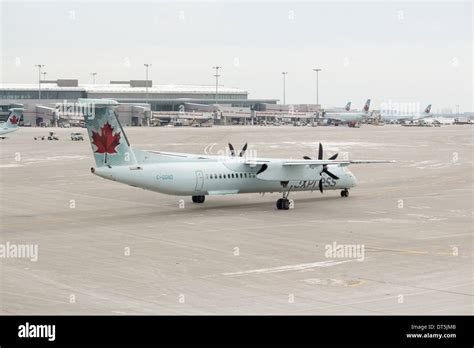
x,y
199,180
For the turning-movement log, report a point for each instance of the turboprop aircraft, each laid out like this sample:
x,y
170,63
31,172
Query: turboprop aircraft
x,y
198,175
11,125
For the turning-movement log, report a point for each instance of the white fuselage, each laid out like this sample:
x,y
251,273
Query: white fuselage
x,y
219,178
346,116
394,117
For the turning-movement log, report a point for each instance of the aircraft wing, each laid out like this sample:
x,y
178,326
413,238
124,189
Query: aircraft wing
x,y
313,162
286,170
325,162
370,161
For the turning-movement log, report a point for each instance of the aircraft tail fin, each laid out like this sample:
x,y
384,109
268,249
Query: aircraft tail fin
x,y
110,145
348,106
428,109
367,105
14,117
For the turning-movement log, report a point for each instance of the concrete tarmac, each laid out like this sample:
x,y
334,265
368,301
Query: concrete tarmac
x,y
107,248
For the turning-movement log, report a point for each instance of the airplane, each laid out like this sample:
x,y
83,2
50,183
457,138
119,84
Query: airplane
x,y
395,117
346,117
339,109
198,176
11,124
440,120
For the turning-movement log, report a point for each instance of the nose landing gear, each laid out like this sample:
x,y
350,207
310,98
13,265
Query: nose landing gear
x,y
198,199
345,193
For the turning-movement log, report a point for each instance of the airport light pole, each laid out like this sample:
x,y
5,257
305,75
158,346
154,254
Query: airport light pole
x,y
147,65
39,66
44,75
317,85
284,73
94,74
217,79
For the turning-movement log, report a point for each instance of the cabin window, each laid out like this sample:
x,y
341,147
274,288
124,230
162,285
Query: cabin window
x,y
241,175
220,176
245,174
232,176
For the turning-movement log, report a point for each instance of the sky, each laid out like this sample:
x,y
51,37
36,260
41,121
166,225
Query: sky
x,y
391,52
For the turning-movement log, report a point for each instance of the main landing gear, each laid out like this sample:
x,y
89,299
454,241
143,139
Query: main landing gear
x,y
345,193
284,203
198,199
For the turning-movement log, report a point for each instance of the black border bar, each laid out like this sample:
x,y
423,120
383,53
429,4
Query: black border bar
x,y
242,330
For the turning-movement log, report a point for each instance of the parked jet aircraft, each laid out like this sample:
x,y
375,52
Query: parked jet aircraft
x,y
339,109
11,124
440,120
344,117
398,116
200,175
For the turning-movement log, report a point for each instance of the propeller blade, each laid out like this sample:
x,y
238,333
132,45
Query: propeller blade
x,y
232,151
330,174
321,185
333,157
320,153
306,157
243,150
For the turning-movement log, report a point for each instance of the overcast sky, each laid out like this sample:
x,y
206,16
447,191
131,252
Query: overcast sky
x,y
391,52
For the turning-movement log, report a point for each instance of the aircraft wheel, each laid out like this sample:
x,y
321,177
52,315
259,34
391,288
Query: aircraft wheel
x,y
345,193
283,204
198,199
279,204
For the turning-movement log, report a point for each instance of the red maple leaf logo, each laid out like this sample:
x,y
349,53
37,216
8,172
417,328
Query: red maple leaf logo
x,y
14,120
106,142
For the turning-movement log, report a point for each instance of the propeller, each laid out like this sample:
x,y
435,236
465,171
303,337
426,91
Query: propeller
x,y
242,152
232,151
325,167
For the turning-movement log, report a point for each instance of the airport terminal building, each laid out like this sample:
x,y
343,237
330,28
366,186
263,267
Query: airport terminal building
x,y
141,100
